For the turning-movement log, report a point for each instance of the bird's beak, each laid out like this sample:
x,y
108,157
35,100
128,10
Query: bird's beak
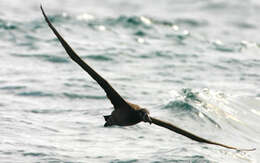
x,y
147,118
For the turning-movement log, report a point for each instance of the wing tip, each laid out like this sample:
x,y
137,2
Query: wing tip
x,y
41,8
45,16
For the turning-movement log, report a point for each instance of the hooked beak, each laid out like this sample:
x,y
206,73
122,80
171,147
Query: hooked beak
x,y
146,118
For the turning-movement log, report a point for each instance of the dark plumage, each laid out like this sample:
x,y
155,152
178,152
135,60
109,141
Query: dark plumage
x,y
124,113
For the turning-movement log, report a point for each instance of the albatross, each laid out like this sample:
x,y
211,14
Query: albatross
x,y
126,113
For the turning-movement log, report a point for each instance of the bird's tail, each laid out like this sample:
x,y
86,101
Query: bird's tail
x,y
106,117
108,120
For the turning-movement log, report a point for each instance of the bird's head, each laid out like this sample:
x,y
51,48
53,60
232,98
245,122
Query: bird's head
x,y
144,115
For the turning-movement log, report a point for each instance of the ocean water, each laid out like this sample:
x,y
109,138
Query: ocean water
x,y
193,63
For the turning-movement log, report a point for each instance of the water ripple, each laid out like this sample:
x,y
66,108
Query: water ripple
x,y
46,57
7,25
191,22
35,154
35,94
81,96
99,57
49,111
12,87
127,161
128,22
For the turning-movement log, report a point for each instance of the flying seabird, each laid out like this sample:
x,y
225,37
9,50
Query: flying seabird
x,y
126,113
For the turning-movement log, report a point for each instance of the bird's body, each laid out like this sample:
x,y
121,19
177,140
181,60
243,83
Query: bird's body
x,y
124,113
124,117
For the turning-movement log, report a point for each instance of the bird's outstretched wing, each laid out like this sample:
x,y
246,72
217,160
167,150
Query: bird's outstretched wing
x,y
112,94
190,135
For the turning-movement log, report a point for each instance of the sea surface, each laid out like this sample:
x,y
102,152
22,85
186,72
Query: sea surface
x,y
193,63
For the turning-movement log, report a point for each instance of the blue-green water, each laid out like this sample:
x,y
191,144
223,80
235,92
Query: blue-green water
x,y
193,63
